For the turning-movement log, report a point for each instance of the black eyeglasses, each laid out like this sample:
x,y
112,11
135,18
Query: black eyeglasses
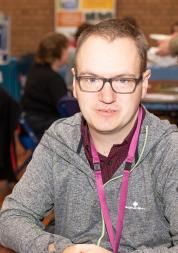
x,y
122,85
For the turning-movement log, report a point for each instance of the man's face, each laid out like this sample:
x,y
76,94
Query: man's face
x,y
106,111
65,56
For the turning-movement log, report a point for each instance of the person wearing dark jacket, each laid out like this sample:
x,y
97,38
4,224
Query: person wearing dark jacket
x,y
9,114
44,86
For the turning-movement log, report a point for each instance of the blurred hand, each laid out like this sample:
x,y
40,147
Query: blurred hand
x,y
174,34
163,48
85,248
164,45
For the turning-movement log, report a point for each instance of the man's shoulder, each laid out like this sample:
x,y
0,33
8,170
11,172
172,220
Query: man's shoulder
x,y
162,125
65,131
160,130
68,123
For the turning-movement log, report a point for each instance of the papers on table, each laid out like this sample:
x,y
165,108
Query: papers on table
x,y
161,97
155,36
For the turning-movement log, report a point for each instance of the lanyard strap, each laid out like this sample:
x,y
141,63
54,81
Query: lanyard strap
x,y
115,242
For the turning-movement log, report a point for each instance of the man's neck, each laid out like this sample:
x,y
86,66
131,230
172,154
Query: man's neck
x,y
103,142
56,65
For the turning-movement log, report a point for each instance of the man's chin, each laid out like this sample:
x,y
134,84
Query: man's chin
x,y
104,130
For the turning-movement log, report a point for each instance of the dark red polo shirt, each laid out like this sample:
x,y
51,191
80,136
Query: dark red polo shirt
x,y
116,157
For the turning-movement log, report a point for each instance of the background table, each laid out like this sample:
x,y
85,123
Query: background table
x,y
162,99
164,73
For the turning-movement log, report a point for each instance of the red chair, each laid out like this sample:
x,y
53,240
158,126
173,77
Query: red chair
x,y
5,250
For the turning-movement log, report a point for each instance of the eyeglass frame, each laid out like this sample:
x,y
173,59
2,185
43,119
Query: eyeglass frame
x,y
109,80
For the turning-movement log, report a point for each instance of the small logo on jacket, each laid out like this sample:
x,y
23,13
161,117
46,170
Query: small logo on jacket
x,y
135,206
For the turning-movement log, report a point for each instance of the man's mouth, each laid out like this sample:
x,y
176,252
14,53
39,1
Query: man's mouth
x,y
107,110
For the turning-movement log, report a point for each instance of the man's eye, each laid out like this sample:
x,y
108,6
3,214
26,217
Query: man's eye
x,y
92,80
123,80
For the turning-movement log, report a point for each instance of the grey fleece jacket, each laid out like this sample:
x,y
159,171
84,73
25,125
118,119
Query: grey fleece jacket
x,y
58,177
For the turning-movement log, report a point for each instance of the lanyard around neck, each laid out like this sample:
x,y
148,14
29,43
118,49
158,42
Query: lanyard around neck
x,y
115,242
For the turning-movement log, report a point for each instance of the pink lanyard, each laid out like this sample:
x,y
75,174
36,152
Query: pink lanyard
x,y
115,242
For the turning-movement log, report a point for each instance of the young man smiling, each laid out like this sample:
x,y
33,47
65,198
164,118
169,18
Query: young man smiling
x,y
111,172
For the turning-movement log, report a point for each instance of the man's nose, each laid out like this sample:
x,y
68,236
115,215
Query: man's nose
x,y
107,95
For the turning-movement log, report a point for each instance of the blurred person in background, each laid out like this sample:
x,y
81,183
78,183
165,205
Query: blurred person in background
x,y
169,47
174,27
45,86
166,52
9,114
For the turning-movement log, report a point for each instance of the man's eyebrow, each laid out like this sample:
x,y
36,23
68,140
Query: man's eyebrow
x,y
123,75
89,74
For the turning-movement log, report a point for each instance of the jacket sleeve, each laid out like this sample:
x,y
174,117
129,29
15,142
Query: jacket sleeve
x,y
165,183
20,218
156,250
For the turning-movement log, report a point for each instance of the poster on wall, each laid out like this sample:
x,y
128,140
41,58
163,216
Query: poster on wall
x,y
4,39
69,14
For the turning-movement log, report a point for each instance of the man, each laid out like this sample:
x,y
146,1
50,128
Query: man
x,y
114,141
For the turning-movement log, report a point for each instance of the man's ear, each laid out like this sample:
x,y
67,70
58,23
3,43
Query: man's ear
x,y
74,83
146,76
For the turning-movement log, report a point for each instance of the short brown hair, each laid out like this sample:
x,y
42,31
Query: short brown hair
x,y
112,29
51,48
80,29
